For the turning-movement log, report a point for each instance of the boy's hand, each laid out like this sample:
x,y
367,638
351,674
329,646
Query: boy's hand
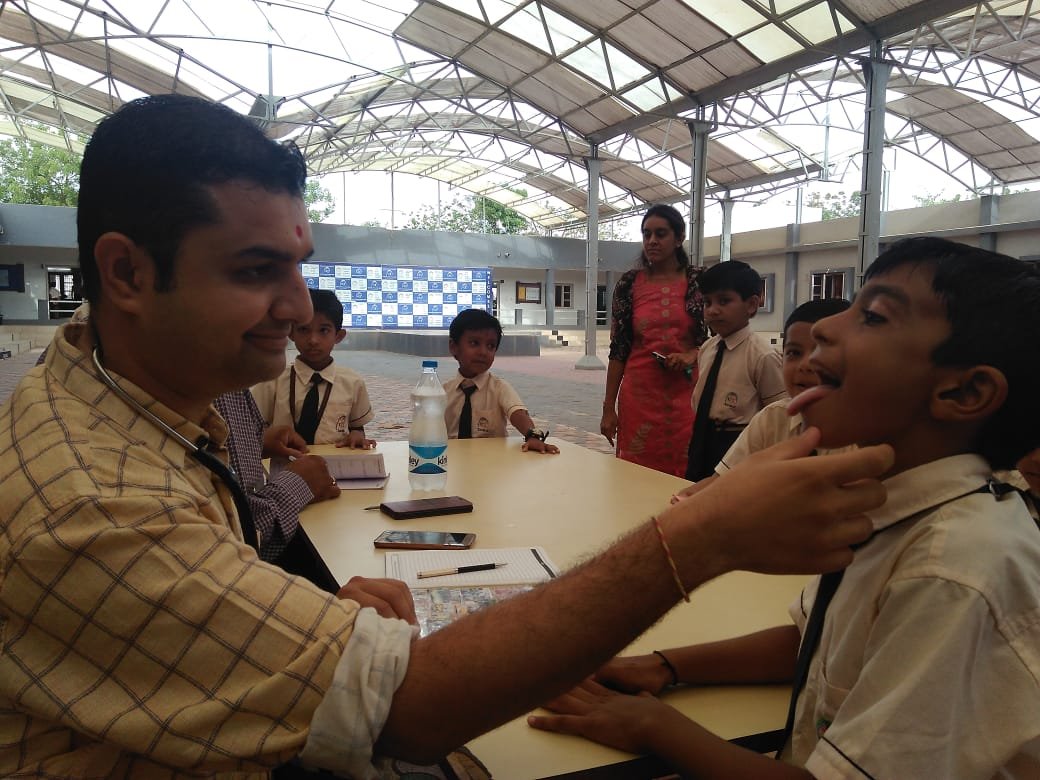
x,y
537,445
782,512
282,441
390,598
616,719
635,673
356,440
315,472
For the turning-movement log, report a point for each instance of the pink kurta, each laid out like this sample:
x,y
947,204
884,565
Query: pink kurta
x,y
655,418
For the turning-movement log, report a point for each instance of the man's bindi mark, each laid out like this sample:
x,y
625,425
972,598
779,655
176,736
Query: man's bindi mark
x,y
299,232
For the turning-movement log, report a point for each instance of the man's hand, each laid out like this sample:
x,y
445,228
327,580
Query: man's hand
x,y
281,441
315,472
782,512
390,598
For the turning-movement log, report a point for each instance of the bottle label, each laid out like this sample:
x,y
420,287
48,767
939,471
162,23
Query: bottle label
x,y
427,458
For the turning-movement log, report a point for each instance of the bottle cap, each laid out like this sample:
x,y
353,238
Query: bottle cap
x,y
429,364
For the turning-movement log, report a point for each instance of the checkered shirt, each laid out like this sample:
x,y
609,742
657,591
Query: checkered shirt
x,y
139,637
276,504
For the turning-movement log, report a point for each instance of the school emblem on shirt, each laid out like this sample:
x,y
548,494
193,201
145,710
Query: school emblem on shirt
x,y
731,400
483,426
341,424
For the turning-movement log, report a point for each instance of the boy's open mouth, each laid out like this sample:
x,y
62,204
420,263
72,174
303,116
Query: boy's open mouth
x,y
828,384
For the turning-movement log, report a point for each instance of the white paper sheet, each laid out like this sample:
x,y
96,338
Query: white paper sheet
x,y
525,565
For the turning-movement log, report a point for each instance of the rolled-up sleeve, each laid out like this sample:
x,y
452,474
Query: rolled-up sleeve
x,y
351,716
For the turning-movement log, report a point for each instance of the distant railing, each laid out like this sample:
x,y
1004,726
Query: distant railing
x,y
60,309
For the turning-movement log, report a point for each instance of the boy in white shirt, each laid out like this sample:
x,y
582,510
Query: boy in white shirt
x,y
927,658
480,404
324,402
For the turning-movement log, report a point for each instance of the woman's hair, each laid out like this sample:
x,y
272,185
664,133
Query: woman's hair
x,y
672,216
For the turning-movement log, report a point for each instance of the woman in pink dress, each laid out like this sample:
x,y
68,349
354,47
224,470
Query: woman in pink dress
x,y
657,327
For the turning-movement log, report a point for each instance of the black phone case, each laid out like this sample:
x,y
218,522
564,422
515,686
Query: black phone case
x,y
426,507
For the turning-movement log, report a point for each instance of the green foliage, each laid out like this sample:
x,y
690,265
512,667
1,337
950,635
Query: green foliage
x,y
470,214
835,205
318,200
934,199
38,174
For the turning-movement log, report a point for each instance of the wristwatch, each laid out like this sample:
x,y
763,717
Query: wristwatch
x,y
534,433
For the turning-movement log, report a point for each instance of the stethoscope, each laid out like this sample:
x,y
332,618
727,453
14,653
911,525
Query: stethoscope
x,y
196,450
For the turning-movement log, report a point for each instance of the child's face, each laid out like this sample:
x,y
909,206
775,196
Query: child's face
x,y
315,340
874,365
798,346
726,312
475,351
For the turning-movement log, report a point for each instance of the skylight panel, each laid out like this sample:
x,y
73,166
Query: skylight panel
x,y
591,61
497,10
646,97
565,34
468,7
733,16
770,43
816,24
527,26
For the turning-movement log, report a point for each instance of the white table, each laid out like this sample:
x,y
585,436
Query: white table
x,y
572,504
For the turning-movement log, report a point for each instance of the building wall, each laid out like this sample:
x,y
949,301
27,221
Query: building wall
x,y
41,236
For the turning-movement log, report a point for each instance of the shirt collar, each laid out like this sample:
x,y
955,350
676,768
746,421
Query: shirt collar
x,y
924,487
305,372
70,359
479,380
734,340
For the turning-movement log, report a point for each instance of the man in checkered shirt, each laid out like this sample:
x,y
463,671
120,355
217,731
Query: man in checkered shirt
x,y
141,636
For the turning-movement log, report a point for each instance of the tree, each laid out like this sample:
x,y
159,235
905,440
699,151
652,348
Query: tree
x,y
471,214
38,174
934,199
318,200
835,205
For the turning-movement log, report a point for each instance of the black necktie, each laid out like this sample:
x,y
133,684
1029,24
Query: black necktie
x,y
696,468
308,423
810,640
466,418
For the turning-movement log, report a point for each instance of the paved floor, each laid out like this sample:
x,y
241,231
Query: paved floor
x,y
559,397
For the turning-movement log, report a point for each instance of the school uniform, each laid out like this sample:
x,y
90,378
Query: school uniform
x,y
928,664
770,426
493,403
750,378
343,399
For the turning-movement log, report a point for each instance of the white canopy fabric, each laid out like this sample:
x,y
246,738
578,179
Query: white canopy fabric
x,y
507,97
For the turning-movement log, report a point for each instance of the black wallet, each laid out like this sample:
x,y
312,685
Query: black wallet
x,y
426,507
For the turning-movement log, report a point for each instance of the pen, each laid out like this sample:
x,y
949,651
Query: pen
x,y
459,570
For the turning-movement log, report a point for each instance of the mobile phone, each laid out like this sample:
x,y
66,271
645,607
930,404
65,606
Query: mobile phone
x,y
425,540
426,507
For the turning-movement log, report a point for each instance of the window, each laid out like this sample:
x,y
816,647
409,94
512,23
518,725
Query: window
x,y
528,292
765,297
831,284
563,296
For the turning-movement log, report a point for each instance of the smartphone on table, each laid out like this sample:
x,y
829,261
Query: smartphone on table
x,y
425,540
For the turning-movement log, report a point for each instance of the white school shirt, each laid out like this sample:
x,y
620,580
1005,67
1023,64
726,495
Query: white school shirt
x,y
493,404
750,378
929,659
770,426
348,405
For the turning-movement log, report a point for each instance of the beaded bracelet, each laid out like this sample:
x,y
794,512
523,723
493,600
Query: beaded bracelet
x,y
671,668
671,560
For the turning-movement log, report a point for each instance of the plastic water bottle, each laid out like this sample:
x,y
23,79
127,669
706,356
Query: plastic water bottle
x,y
428,439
